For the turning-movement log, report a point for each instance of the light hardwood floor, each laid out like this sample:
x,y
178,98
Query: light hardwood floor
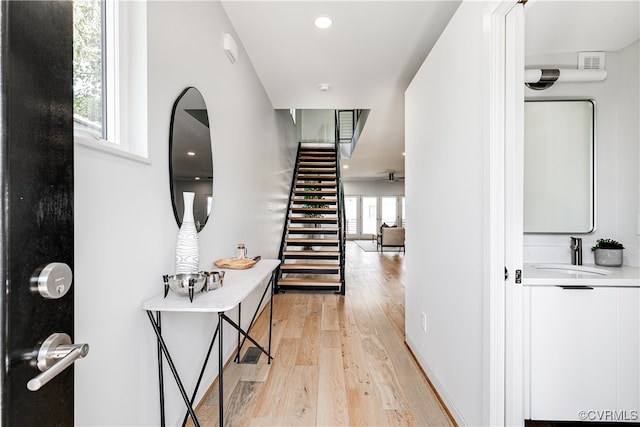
x,y
338,360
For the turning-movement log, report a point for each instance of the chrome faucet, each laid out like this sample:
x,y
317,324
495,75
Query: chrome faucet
x,y
576,251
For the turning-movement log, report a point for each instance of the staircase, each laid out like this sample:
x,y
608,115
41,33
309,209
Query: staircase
x,y
312,248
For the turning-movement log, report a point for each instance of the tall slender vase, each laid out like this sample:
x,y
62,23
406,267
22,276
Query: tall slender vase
x,y
187,253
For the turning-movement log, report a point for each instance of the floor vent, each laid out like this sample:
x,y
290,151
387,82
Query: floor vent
x,y
251,356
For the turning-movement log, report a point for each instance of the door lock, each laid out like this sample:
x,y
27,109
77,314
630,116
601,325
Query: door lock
x,y
54,356
53,280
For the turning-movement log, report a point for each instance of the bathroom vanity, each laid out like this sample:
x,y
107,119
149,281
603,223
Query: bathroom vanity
x,y
582,343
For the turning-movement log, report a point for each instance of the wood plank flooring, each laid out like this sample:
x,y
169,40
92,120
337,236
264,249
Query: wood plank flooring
x,y
338,360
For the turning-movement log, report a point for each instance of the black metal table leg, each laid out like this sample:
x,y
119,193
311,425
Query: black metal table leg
x,y
253,319
239,323
220,376
160,373
174,371
245,334
273,281
204,367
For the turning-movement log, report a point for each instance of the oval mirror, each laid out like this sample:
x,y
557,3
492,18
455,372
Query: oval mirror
x,y
190,156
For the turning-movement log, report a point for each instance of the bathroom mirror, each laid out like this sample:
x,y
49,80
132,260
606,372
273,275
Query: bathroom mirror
x,y
559,166
190,156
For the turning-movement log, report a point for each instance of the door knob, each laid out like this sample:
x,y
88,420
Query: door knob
x,y
54,356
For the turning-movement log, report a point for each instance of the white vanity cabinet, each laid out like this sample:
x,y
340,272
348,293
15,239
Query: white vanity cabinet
x,y
583,352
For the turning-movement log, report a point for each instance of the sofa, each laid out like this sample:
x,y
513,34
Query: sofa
x,y
391,237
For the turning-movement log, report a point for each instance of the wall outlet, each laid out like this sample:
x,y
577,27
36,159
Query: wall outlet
x,y
424,321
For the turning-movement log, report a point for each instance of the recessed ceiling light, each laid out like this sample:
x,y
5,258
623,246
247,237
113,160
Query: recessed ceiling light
x,y
345,166
324,87
323,22
197,178
190,153
403,153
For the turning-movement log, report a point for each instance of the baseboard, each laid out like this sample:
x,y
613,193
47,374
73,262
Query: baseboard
x,y
441,394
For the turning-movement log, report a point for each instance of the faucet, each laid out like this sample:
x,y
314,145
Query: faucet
x,y
576,251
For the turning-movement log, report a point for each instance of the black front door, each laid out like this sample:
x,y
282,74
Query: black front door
x,y
36,173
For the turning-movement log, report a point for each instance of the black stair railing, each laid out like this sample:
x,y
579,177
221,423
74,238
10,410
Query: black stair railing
x,y
285,228
341,219
345,124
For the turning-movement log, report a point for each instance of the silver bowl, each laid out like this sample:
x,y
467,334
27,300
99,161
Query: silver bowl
x,y
185,284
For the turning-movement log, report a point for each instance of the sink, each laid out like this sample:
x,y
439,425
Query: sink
x,y
573,269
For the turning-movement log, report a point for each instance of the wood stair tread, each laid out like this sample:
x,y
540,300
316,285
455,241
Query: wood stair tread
x,y
304,192
308,282
309,209
303,177
308,220
318,152
305,170
313,230
299,266
310,253
302,185
317,210
330,201
317,159
320,164
312,242
296,239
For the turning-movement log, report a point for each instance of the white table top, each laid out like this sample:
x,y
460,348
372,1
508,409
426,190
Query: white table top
x,y
237,285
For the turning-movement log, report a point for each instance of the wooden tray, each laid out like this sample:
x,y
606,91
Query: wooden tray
x,y
235,263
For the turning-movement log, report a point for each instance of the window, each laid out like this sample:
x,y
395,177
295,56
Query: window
x,y
389,208
351,214
90,76
108,114
365,214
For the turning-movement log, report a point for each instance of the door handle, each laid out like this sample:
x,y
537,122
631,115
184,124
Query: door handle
x,y
575,287
54,356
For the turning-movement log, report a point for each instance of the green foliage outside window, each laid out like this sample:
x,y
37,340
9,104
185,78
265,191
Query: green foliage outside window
x,y
87,62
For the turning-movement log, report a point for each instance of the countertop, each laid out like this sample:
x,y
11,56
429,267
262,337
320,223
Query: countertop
x,y
624,276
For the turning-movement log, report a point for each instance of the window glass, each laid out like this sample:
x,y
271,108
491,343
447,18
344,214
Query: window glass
x,y
389,210
351,214
404,221
369,215
88,66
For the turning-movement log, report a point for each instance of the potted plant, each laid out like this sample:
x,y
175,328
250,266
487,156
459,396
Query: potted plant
x,y
608,252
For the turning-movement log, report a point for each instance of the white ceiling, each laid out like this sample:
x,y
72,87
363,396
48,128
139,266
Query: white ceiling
x,y
368,56
553,26
375,47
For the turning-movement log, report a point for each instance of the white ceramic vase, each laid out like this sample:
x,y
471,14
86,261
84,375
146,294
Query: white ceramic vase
x,y
187,252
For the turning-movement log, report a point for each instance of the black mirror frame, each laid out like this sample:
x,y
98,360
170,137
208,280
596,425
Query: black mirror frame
x,y
176,214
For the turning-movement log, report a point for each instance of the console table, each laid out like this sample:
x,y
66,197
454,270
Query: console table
x,y
237,286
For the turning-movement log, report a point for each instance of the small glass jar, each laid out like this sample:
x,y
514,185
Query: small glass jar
x,y
241,251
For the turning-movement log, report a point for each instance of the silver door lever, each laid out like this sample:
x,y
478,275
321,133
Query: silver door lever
x,y
55,355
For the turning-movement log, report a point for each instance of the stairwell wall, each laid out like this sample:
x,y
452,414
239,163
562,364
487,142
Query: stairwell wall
x,y
125,232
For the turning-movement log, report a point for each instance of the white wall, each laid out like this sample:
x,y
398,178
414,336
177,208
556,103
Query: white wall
x,y
374,188
447,197
125,232
617,152
317,125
